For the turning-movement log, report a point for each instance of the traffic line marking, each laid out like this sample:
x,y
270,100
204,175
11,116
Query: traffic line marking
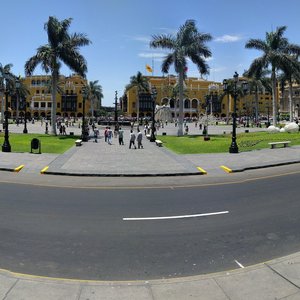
x,y
44,170
226,169
239,264
19,168
202,170
176,217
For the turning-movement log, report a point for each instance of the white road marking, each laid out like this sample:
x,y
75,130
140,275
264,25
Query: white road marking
x,y
177,217
239,264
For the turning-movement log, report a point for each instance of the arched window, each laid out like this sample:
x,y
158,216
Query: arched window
x,y
194,103
171,103
186,103
165,101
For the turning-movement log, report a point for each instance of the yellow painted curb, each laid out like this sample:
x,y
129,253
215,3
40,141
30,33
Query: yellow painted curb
x,y
202,171
44,170
226,169
19,168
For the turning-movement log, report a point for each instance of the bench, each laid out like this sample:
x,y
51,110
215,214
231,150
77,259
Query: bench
x,y
158,143
78,142
274,144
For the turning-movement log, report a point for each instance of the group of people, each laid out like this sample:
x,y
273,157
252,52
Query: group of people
x,y
138,138
133,138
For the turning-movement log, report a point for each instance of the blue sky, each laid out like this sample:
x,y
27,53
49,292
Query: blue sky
x,y
120,31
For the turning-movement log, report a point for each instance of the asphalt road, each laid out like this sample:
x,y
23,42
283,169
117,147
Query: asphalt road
x,y
81,232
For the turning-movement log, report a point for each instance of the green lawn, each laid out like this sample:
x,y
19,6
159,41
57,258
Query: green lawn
x,y
194,144
191,144
49,143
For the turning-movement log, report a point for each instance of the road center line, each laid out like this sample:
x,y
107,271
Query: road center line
x,y
239,264
177,217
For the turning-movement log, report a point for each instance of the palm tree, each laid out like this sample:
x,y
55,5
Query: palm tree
x,y
95,94
62,47
141,83
277,53
229,93
21,93
289,75
4,72
258,83
188,43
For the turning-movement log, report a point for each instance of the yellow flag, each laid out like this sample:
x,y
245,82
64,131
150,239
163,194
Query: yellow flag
x,y
149,69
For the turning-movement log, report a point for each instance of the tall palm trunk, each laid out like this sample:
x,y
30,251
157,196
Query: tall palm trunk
x,y
274,97
53,106
138,108
256,104
291,100
2,107
228,108
92,108
180,120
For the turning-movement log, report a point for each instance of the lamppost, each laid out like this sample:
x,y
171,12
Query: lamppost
x,y
153,95
84,132
25,119
212,88
116,111
234,147
6,145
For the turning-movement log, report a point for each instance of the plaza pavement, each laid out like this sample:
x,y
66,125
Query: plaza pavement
x,y
276,279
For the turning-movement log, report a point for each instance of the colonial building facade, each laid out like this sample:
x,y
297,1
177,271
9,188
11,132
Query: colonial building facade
x,y
37,104
201,97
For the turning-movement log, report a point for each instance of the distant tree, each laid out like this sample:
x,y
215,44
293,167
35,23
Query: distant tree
x,y
95,94
5,73
277,52
188,43
62,47
289,75
229,94
258,83
141,83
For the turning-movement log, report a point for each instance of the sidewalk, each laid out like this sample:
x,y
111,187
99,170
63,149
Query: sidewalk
x,y
102,159
277,279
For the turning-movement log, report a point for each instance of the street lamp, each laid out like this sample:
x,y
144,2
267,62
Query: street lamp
x,y
25,119
234,147
212,88
153,95
84,133
116,111
6,145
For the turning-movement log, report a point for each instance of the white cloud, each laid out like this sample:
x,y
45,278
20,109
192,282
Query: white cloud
x,y
157,55
143,39
228,38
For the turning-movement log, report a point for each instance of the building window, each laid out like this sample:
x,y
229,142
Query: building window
x,y
49,104
43,104
80,105
58,105
36,104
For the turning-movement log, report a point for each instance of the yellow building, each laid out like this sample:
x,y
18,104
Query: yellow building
x,y
200,97
69,97
196,93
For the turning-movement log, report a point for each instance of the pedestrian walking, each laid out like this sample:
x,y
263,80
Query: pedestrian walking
x,y
132,139
121,136
109,136
139,138
105,134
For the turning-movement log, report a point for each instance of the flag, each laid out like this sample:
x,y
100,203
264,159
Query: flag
x,y
149,69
